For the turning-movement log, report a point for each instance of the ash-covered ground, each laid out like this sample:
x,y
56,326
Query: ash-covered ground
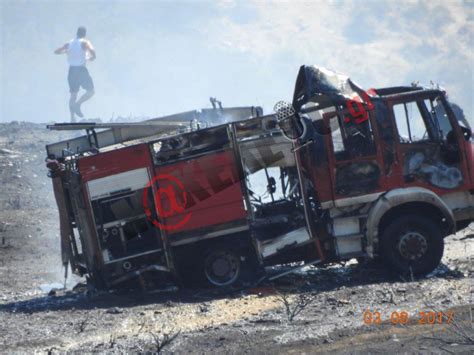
x,y
331,301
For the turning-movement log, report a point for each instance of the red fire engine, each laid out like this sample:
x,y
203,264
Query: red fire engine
x,y
216,195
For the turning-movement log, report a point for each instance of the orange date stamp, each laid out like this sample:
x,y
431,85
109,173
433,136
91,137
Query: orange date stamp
x,y
404,317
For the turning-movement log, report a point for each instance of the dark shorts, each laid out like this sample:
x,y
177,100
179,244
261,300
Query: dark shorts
x,y
77,77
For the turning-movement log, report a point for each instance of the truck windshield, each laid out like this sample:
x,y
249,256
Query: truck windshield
x,y
459,113
440,117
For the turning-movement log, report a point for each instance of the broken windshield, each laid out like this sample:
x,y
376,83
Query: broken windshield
x,y
440,116
459,113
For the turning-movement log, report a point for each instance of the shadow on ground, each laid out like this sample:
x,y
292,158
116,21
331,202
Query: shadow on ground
x,y
313,280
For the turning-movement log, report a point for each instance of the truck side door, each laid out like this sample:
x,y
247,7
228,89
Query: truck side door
x,y
355,160
428,144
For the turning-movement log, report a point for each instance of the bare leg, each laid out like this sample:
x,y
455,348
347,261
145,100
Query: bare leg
x,y
72,104
87,95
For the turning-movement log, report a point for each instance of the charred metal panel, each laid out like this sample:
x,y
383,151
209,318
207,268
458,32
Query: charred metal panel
x,y
386,133
291,239
315,155
351,141
265,152
318,149
217,230
357,178
119,134
115,271
88,252
189,145
123,132
421,164
326,87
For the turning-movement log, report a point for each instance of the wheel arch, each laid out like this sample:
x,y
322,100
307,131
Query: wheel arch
x,y
401,201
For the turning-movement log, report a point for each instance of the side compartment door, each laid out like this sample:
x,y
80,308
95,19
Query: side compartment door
x,y
197,186
210,193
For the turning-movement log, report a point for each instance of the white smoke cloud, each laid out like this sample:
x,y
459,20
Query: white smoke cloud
x,y
157,58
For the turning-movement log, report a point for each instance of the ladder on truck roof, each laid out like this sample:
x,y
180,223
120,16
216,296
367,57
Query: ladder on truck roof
x,y
115,133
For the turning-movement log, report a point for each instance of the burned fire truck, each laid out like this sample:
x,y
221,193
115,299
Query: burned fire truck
x,y
217,195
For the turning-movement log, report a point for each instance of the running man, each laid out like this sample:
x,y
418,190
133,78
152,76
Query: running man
x,y
78,51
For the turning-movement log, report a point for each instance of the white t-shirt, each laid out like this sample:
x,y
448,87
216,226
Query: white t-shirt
x,y
76,54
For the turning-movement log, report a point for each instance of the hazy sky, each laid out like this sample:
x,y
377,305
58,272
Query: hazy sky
x,y
162,57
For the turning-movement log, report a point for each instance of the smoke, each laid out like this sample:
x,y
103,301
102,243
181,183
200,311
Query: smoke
x,y
158,58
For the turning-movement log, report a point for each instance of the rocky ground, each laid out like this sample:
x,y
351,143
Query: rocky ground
x,y
316,310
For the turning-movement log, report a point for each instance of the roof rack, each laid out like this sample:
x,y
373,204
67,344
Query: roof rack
x,y
115,133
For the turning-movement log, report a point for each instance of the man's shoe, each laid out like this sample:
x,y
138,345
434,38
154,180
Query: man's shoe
x,y
77,110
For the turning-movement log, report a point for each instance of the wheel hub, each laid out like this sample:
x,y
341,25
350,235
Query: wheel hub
x,y
412,245
222,268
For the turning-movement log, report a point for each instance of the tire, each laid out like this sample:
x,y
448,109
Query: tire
x,y
218,265
222,267
412,244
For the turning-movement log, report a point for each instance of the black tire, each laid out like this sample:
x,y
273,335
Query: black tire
x,y
195,266
222,267
412,244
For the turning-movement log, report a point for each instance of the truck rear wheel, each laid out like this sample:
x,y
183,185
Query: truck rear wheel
x,y
222,267
412,244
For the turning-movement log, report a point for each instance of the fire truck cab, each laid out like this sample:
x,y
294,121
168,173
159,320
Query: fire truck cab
x,y
338,174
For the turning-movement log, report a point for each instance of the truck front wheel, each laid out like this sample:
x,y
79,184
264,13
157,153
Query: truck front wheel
x,y
412,244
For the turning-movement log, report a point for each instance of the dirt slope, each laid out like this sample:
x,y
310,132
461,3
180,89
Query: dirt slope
x,y
202,321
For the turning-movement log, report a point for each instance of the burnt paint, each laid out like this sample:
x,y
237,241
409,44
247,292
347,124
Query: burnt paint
x,y
315,160
357,178
420,165
267,155
386,133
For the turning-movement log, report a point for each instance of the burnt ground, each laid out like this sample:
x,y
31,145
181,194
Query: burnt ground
x,y
331,300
